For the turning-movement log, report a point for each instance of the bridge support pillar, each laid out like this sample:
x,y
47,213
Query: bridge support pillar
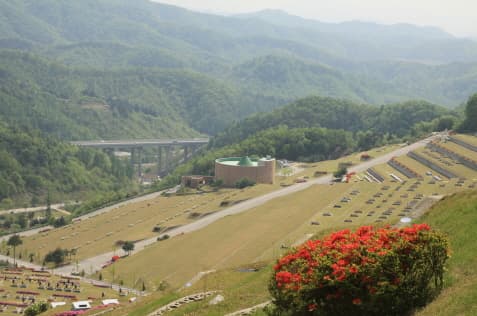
x,y
139,166
186,153
133,157
159,160
168,157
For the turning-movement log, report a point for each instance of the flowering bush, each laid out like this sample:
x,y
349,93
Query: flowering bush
x,y
385,271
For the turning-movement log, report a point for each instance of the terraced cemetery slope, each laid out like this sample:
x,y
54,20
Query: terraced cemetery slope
x,y
264,232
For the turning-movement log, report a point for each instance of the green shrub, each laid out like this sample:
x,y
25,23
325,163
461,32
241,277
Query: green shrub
x,y
384,271
244,182
36,309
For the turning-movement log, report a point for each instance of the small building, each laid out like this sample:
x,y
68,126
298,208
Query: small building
x,y
81,305
195,181
230,170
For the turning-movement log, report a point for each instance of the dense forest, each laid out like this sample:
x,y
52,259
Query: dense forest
x,y
35,167
257,61
397,120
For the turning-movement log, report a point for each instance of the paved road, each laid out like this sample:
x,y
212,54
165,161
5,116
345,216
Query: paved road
x,y
31,209
96,262
27,233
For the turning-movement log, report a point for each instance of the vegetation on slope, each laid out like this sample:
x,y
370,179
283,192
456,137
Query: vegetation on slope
x,y
276,58
398,120
35,167
127,103
456,216
470,122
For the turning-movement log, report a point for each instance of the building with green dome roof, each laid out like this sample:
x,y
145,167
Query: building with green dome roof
x,y
230,170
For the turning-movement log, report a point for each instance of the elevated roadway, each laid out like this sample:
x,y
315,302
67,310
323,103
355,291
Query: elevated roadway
x,y
141,143
136,146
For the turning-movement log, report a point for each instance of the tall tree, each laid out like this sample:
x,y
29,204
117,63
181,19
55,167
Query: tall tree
x,y
470,123
128,246
14,241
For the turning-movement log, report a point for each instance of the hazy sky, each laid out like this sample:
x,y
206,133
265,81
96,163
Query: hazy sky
x,y
458,17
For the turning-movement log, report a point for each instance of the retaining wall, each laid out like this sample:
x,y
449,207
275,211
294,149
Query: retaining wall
x,y
402,169
431,165
463,143
472,164
375,174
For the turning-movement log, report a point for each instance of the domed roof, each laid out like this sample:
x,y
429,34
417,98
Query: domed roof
x,y
245,161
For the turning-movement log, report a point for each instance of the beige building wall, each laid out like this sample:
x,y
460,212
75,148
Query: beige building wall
x,y
229,174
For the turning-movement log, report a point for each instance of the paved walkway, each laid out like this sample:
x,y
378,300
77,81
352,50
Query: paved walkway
x,y
31,209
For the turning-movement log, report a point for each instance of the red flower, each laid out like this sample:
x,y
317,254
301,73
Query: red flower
x,y
353,270
356,301
312,307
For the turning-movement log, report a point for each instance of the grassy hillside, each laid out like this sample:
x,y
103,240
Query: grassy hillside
x,y
456,216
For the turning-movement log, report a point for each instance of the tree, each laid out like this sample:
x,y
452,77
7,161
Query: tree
x,y
128,246
56,256
340,172
48,205
14,241
59,222
470,122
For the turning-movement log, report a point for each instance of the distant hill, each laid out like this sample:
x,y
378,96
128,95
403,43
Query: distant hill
x,y
127,103
117,68
396,120
355,60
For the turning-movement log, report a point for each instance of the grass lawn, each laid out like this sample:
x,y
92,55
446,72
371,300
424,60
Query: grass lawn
x,y
136,221
457,217
228,242
133,222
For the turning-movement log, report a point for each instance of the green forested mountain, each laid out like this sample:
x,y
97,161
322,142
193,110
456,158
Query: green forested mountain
x,y
267,59
110,69
337,114
34,166
320,128
128,103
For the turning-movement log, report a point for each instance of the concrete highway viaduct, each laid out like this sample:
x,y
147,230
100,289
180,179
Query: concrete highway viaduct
x,y
165,148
